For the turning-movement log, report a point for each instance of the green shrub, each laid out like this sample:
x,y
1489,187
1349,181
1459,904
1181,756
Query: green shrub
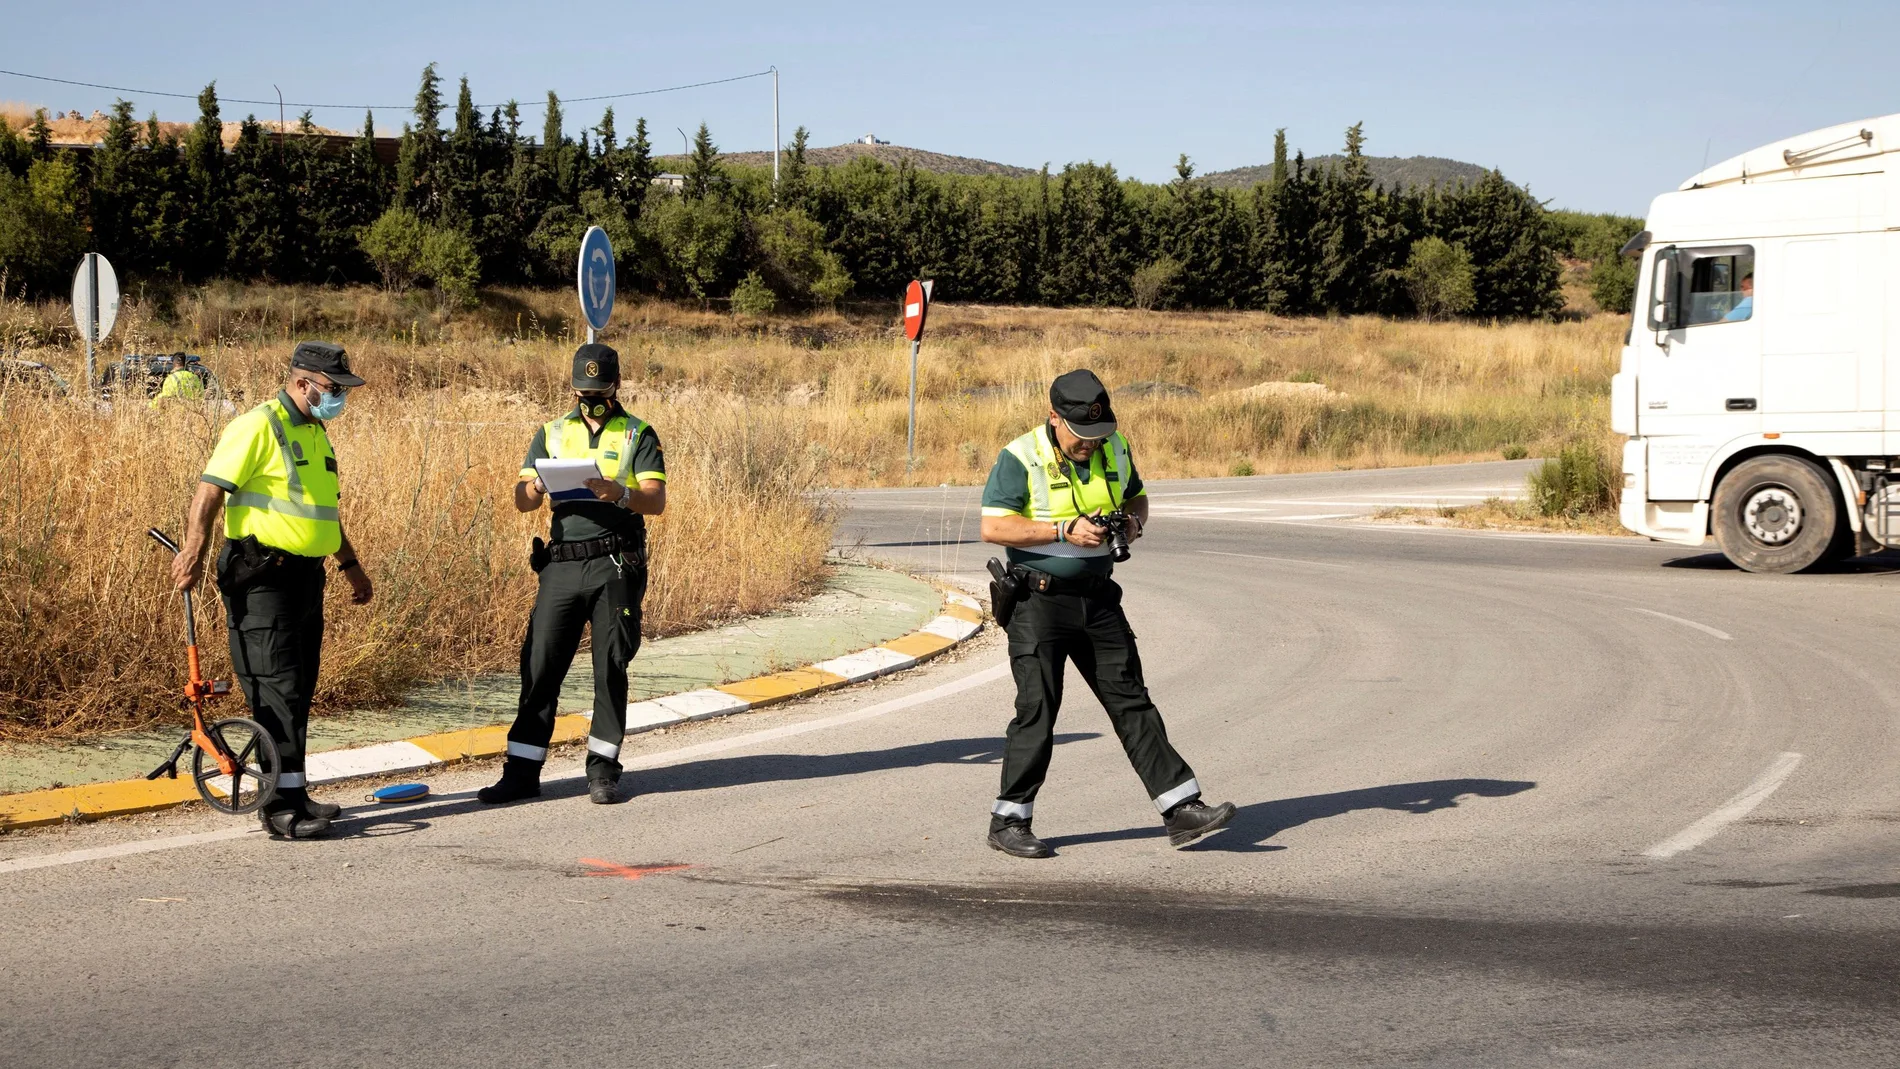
x,y
753,297
1579,480
1440,278
1613,284
1153,285
1241,467
1515,452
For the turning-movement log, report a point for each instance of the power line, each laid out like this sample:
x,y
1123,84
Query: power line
x,y
376,107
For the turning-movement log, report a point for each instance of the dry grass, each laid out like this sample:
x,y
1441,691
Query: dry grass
x,y
1497,514
90,631
753,413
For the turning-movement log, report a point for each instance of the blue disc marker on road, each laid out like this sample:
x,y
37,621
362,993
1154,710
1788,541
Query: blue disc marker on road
x,y
596,278
401,792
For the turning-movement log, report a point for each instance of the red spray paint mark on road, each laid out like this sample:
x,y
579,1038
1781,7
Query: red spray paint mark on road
x,y
626,872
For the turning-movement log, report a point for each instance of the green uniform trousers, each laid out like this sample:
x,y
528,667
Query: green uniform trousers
x,y
276,628
1090,629
604,593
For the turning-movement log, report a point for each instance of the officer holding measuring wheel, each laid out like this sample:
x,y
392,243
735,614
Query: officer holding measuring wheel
x,y
593,575
275,475
1066,499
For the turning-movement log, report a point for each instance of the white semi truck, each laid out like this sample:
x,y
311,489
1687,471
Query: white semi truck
x,y
1760,383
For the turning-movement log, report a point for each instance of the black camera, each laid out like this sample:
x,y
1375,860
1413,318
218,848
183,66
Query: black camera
x,y
1116,525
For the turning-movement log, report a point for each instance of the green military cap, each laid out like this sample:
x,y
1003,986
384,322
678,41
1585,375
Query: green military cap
x,y
596,367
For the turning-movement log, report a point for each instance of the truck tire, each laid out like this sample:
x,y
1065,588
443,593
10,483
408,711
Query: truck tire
x,y
1775,514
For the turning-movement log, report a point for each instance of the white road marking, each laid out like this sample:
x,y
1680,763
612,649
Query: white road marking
x,y
1731,811
1704,628
659,760
1283,560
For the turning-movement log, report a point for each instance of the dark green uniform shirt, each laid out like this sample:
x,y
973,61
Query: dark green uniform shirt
x,y
578,521
1008,488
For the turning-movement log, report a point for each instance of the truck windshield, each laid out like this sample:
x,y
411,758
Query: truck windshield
x,y
1720,285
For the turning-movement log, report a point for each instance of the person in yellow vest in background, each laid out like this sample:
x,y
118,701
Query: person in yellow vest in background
x,y
275,475
593,574
182,384
1054,498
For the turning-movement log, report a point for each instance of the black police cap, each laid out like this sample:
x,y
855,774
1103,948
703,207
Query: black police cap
x,y
596,367
1082,402
325,358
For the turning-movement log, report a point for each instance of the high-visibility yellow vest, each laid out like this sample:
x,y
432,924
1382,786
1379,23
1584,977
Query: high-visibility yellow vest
x,y
291,503
181,384
1055,494
569,439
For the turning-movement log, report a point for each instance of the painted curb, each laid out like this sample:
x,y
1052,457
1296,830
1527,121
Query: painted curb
x,y
961,617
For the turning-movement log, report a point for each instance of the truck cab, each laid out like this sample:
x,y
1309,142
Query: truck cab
x,y
1755,386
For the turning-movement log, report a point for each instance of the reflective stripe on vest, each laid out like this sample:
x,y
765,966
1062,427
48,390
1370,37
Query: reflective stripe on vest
x,y
567,439
1055,494
295,505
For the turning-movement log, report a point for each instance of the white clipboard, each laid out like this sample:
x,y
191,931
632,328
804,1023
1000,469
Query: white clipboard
x,y
566,480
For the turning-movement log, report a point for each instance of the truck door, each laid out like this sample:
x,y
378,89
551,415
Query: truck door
x,y
1700,385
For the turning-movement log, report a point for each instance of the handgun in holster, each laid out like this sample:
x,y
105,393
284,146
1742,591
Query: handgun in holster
x,y
1005,591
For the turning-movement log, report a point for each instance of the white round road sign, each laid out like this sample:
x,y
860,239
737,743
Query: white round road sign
x,y
596,279
95,272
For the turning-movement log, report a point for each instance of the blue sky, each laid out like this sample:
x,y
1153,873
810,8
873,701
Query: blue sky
x,y
1595,106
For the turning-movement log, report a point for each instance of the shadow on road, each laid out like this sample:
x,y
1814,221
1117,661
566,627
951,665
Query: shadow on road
x,y
1884,562
1256,823
774,768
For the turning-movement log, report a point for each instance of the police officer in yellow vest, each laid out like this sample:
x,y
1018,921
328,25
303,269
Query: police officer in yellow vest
x,y
1041,495
275,475
593,574
181,384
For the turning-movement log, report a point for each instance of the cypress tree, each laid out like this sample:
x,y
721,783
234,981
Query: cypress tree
x,y
1279,157
206,211
417,177
40,136
702,167
113,190
256,234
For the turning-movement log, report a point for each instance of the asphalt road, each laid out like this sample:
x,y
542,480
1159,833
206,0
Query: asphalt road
x,y
1504,801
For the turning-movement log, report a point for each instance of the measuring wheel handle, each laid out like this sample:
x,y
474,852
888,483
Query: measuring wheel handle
x,y
253,766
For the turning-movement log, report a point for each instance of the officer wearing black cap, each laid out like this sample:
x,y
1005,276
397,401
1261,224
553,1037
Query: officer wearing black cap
x,y
1043,499
275,475
593,574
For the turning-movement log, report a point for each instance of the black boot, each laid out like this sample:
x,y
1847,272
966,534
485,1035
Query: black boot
x,y
288,823
298,798
520,778
1194,818
603,780
1017,840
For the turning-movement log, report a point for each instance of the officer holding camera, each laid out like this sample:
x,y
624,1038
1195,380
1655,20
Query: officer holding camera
x,y
1066,500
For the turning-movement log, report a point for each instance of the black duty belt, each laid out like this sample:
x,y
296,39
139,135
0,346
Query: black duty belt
x,y
1043,583
595,547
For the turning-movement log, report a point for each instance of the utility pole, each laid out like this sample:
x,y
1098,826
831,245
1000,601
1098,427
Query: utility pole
x,y
775,137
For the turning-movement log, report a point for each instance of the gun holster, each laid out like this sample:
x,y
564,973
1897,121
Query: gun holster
x,y
1005,591
538,556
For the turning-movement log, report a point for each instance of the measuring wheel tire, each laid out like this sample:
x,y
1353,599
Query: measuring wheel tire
x,y
1776,514
258,767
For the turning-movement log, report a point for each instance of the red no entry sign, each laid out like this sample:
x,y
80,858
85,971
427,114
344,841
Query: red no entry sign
x,y
916,303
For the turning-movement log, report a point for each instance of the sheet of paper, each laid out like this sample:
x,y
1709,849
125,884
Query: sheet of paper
x,y
566,480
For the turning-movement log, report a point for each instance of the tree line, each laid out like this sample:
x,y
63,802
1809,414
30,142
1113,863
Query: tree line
x,y
476,200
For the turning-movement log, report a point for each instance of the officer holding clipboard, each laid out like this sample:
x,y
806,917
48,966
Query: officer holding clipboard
x,y
593,573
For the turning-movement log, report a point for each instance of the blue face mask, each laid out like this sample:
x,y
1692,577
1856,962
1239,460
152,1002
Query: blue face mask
x,y
328,406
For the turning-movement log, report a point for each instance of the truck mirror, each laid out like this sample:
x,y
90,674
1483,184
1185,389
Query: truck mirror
x,y
1664,282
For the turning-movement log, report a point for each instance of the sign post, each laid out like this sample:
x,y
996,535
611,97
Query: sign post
x,y
916,304
95,306
596,280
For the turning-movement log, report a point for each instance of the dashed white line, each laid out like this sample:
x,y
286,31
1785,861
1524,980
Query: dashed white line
x,y
1704,628
1731,811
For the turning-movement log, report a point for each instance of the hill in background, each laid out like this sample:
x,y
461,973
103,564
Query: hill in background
x,y
839,155
1388,171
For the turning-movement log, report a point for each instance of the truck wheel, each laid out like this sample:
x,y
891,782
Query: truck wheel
x,y
1775,514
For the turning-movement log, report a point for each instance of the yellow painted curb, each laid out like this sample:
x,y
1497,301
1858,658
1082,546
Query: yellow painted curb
x,y
920,644
780,686
34,809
